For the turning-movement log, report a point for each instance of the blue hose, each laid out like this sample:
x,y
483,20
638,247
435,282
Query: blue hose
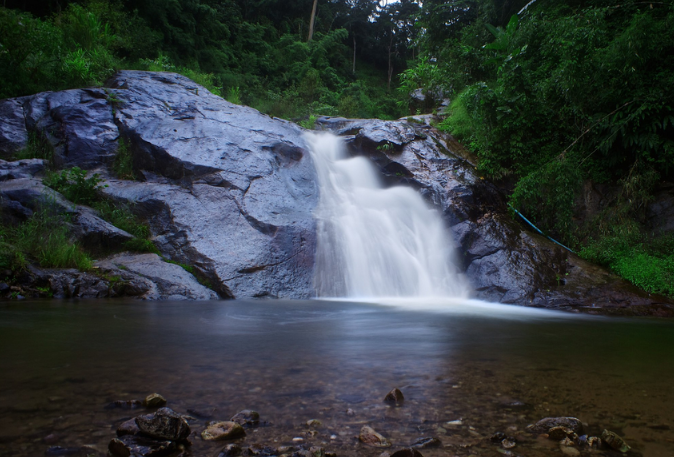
x,y
538,230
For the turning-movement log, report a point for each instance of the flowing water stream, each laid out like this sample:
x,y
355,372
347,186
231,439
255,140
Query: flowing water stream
x,y
376,242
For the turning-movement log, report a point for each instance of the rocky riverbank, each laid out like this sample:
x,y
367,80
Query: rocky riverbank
x,y
229,193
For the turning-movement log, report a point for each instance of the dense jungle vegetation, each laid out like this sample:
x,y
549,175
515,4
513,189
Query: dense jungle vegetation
x,y
553,97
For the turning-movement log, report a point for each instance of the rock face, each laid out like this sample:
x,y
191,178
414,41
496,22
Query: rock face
x,y
503,261
231,193
225,189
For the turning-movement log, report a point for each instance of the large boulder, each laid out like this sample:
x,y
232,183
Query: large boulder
x,y
225,189
504,261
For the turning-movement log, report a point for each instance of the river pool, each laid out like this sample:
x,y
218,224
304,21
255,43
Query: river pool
x,y
467,370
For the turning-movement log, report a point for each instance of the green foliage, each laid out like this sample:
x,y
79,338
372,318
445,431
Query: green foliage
x,y
71,49
123,163
74,185
234,95
36,148
163,63
43,237
309,123
141,245
646,262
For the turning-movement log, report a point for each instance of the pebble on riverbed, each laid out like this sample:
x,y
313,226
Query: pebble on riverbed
x,y
559,433
225,430
407,453
614,441
127,445
128,428
545,425
154,401
370,437
246,418
426,442
395,396
164,424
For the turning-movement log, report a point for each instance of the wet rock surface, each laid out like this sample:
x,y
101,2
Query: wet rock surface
x,y
225,189
503,260
225,430
126,446
164,424
371,437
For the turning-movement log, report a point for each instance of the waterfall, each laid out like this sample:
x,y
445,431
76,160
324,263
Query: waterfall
x,y
374,241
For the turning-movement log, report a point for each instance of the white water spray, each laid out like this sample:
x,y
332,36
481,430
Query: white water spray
x,y
375,242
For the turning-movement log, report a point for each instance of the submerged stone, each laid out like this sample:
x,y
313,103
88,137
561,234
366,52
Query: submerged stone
x,y
154,401
138,446
426,442
164,424
128,428
246,418
544,425
370,437
614,441
407,453
395,396
559,433
225,430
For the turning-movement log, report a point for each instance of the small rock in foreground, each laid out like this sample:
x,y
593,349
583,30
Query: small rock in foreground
x,y
128,428
225,430
559,433
369,436
128,445
246,418
394,396
407,453
154,401
614,441
426,442
125,404
544,425
164,424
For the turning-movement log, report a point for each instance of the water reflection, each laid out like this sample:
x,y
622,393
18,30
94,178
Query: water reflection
x,y
495,368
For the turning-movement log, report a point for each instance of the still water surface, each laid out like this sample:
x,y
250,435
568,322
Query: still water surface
x,y
493,368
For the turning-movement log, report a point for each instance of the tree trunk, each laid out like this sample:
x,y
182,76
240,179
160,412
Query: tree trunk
x,y
390,65
311,22
354,55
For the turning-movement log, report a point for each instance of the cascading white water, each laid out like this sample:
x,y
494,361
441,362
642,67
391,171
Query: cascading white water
x,y
373,241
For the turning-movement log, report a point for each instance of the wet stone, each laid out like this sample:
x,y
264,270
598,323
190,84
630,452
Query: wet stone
x,y
128,445
544,425
614,441
125,404
128,428
314,423
559,433
164,424
225,430
508,443
407,453
231,450
394,396
427,442
246,418
370,437
154,401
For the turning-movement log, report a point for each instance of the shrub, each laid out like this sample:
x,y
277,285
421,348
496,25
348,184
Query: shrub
x,y
74,185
